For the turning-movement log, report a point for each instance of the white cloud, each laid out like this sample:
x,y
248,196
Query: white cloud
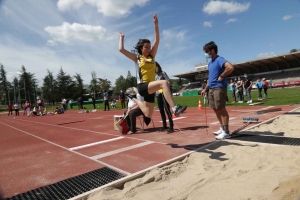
x,y
64,5
207,24
171,34
266,55
219,7
115,8
287,17
231,20
271,45
68,32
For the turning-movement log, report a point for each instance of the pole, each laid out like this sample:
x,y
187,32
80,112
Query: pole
x,y
24,89
8,96
14,93
29,97
19,95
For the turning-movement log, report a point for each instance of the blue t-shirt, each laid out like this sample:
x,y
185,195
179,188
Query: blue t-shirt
x,y
260,84
215,69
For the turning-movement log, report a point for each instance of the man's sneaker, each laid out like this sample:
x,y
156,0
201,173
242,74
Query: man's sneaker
x,y
250,101
223,136
218,132
179,109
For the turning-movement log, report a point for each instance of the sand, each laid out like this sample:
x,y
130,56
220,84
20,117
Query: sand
x,y
224,170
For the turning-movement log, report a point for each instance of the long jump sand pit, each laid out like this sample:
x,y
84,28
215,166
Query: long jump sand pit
x,y
224,170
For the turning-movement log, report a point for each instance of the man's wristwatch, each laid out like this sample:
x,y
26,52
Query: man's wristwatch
x,y
221,76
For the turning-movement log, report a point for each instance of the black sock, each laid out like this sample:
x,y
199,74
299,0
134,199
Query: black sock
x,y
225,129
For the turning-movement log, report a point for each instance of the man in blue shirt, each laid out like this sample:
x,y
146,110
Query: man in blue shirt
x,y
218,70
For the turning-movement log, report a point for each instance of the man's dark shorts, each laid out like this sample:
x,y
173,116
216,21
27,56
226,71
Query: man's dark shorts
x,y
217,97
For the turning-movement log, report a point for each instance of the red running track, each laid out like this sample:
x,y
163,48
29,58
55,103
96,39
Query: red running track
x,y
39,151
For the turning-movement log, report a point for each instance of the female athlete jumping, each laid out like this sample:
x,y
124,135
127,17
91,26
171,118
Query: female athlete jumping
x,y
145,62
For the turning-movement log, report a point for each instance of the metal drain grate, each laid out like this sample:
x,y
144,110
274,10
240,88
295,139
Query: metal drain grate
x,y
71,187
268,139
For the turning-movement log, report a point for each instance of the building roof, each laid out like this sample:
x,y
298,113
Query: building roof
x,y
281,62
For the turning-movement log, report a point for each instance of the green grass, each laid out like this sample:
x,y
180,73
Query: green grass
x,y
286,96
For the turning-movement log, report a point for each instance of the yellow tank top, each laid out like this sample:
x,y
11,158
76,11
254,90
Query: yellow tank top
x,y
147,69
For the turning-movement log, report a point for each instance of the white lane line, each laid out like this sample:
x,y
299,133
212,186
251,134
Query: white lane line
x,y
175,119
95,143
102,163
217,122
266,108
120,150
79,129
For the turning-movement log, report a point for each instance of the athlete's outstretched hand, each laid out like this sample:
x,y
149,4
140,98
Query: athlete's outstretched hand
x,y
121,34
155,19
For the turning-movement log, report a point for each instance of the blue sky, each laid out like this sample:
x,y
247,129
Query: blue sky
x,y
82,35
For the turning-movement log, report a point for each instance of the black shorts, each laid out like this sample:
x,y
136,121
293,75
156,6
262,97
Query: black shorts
x,y
143,91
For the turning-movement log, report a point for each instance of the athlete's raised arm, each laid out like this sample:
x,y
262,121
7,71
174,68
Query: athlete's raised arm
x,y
156,36
128,54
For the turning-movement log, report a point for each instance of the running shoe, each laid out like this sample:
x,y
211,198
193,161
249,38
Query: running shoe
x,y
223,136
179,109
219,131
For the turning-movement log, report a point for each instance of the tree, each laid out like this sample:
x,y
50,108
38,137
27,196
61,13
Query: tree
x,y
28,83
120,84
130,81
104,85
65,86
48,87
4,85
294,50
94,86
79,85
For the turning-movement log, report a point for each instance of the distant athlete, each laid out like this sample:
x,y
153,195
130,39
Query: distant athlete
x,y
218,69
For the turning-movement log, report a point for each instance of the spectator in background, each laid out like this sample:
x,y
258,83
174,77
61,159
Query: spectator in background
x,y
94,102
81,103
113,104
27,107
233,90
106,98
259,86
122,99
24,108
266,86
239,87
64,103
16,106
248,88
70,102
10,109
39,103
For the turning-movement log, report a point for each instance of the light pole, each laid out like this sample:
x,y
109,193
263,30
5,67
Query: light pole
x,y
19,94
8,95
